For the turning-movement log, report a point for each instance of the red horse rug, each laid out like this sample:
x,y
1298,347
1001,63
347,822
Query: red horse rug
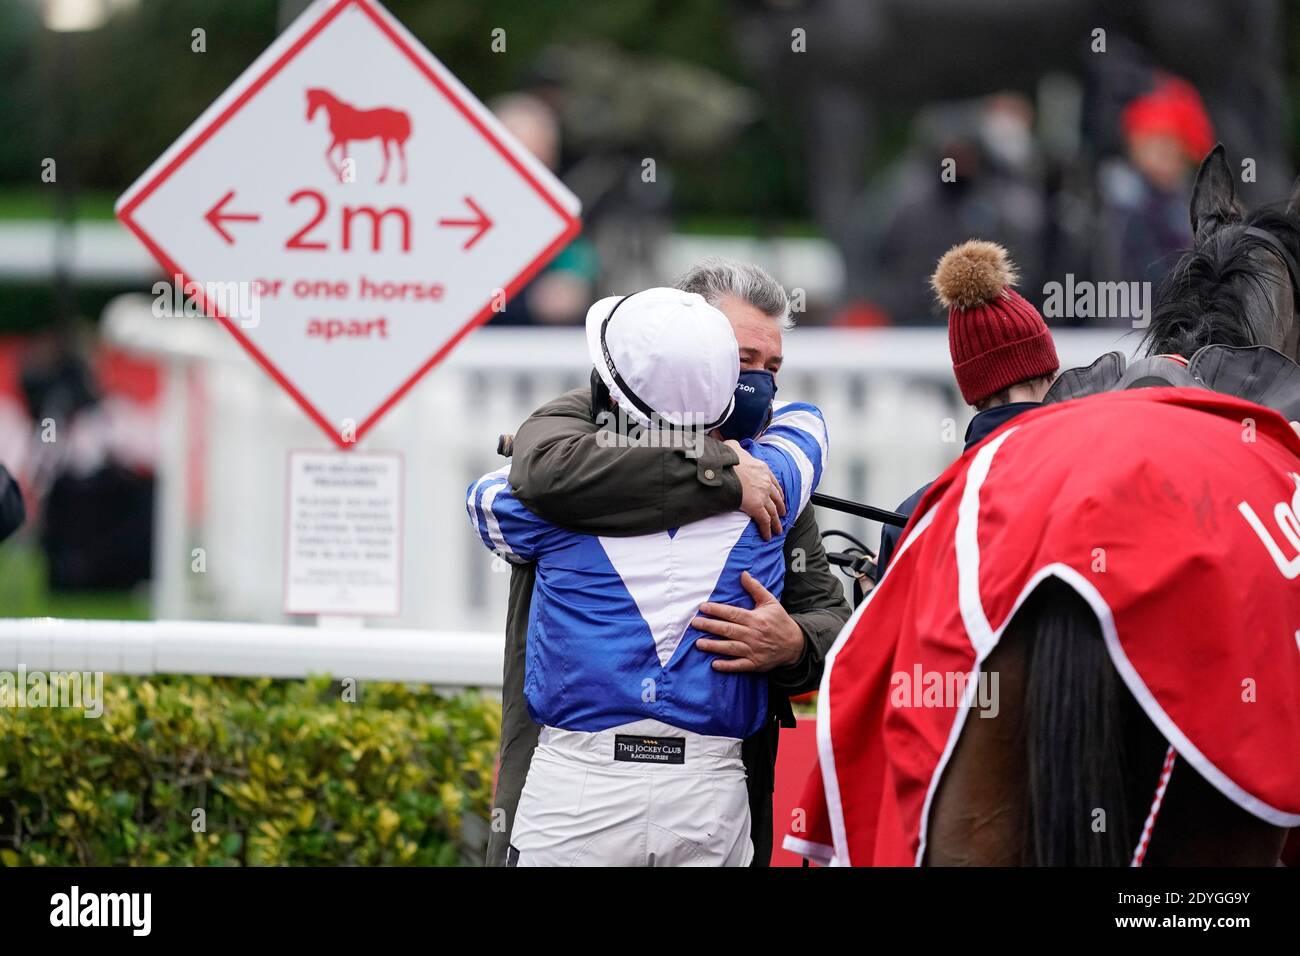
x,y
1174,513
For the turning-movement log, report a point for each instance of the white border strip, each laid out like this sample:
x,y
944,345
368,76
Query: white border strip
x,y
1216,777
967,544
978,630
808,849
825,749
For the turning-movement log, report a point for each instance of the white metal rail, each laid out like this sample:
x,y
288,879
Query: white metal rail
x,y
441,658
895,419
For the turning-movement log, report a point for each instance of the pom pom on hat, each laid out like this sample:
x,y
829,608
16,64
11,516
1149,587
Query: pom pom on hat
x,y
972,274
996,336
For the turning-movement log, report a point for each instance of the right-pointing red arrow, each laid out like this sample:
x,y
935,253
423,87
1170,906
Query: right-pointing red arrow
x,y
481,221
215,217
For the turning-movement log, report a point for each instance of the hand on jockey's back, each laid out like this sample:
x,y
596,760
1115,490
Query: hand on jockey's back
x,y
752,640
761,496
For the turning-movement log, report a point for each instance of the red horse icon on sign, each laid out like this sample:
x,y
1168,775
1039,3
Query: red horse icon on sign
x,y
347,124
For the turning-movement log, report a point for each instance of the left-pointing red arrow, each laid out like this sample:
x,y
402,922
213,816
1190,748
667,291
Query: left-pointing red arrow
x,y
216,216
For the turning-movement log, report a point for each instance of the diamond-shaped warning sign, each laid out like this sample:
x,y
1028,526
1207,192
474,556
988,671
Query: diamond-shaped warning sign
x,y
349,211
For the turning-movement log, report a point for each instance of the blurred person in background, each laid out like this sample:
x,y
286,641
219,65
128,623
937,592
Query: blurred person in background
x,y
95,503
975,171
12,511
559,295
1144,196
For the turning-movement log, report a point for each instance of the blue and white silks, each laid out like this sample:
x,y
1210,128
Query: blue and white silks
x,y
610,640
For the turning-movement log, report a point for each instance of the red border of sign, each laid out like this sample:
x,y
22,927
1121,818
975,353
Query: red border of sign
x,y
572,225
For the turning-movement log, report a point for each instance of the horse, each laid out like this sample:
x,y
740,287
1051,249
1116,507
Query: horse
x,y
348,124
1071,737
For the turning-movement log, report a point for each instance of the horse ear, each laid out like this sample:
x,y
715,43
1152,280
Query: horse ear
x,y
1214,194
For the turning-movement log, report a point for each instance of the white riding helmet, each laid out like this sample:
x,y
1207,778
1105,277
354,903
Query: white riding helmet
x,y
666,353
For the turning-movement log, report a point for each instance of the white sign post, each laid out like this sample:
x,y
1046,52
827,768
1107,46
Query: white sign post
x,y
349,211
343,542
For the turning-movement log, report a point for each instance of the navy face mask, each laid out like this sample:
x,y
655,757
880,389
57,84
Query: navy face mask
x,y
755,391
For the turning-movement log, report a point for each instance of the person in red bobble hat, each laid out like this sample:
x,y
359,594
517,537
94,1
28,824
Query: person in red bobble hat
x,y
1003,354
1167,132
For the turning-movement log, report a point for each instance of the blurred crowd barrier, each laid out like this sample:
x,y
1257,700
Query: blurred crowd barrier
x,y
226,430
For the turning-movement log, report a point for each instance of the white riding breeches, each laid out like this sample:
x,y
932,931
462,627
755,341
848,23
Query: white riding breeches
x,y
643,794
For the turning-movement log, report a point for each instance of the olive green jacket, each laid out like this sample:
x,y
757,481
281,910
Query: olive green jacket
x,y
561,471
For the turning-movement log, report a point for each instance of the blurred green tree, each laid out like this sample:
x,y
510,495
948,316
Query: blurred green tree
x,y
138,84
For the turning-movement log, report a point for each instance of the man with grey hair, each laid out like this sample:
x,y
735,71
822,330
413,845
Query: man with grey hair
x,y
565,469
715,279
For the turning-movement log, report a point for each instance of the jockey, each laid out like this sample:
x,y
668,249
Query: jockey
x,y
1003,355
639,760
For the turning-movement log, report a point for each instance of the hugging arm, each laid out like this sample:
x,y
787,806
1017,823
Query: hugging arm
x,y
576,474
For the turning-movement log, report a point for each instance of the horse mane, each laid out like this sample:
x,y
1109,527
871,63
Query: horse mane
x,y
1201,302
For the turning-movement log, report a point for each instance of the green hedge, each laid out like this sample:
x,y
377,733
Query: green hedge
x,y
287,772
